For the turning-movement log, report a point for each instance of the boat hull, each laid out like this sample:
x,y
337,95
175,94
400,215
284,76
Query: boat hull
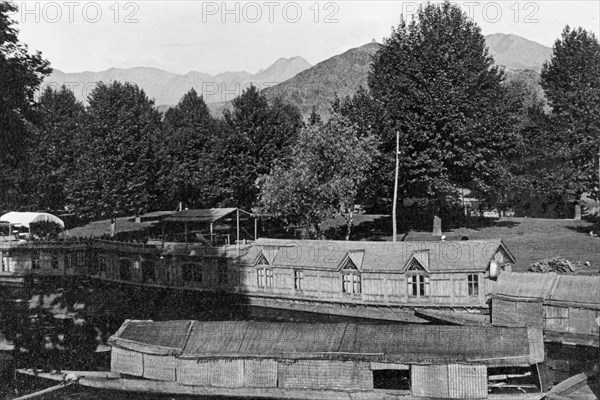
x,y
115,382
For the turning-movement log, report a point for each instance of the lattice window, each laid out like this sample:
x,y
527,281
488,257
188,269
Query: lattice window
x,y
415,265
351,283
298,280
418,285
473,284
262,260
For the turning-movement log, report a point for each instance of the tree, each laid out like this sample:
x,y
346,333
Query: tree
x,y
187,171
20,75
438,86
116,172
258,135
327,168
314,118
571,80
53,148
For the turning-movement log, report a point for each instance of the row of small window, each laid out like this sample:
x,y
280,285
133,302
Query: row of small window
x,y
417,285
71,259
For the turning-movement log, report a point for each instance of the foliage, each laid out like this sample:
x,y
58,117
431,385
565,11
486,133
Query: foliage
x,y
186,172
116,172
20,75
326,170
257,135
571,80
53,151
439,88
367,115
45,229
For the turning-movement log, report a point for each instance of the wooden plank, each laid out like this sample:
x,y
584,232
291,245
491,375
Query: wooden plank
x,y
543,375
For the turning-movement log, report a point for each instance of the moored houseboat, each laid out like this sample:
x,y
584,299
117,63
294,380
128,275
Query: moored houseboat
x,y
566,306
312,361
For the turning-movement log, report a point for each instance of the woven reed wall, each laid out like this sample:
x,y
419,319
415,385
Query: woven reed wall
x,y
260,373
219,373
160,368
126,362
323,374
467,381
536,344
429,381
556,318
514,313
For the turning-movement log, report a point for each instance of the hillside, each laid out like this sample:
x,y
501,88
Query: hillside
x,y
168,88
515,52
317,86
343,74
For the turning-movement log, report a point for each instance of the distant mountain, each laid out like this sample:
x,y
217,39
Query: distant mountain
x,y
167,88
515,52
292,79
317,86
343,74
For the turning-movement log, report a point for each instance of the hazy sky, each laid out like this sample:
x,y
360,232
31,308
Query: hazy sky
x,y
216,36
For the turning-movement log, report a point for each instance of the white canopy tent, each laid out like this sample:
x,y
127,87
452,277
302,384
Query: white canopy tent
x,y
25,219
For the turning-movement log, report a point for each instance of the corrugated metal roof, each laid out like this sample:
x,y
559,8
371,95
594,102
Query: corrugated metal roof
x,y
411,344
206,215
472,255
524,285
577,289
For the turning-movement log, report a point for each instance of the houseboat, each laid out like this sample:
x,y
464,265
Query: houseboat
x,y
566,306
375,280
312,361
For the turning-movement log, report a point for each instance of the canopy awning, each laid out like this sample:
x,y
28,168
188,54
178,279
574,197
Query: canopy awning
x,y
27,218
207,215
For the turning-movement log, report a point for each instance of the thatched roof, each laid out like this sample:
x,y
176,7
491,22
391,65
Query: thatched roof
x,y
567,290
526,286
409,344
436,256
576,290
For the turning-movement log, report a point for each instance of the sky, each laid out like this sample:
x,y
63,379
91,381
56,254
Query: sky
x,y
219,36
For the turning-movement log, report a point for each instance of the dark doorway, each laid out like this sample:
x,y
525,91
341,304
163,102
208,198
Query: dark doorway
x,y
395,379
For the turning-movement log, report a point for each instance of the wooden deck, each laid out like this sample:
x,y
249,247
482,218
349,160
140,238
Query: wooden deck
x,y
584,386
113,382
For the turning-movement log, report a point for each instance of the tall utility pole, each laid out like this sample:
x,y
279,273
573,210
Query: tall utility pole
x,y
394,205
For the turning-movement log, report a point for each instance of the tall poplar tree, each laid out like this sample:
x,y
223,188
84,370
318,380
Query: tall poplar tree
x,y
571,80
116,173
439,88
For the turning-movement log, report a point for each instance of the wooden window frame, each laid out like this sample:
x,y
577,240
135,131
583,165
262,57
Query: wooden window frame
x,y
473,285
418,285
351,282
298,280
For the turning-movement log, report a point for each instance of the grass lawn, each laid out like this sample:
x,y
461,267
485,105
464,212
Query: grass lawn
x,y
531,239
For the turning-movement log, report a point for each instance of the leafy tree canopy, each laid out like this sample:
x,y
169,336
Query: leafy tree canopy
x,y
20,75
257,136
186,172
439,88
571,80
327,167
117,170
